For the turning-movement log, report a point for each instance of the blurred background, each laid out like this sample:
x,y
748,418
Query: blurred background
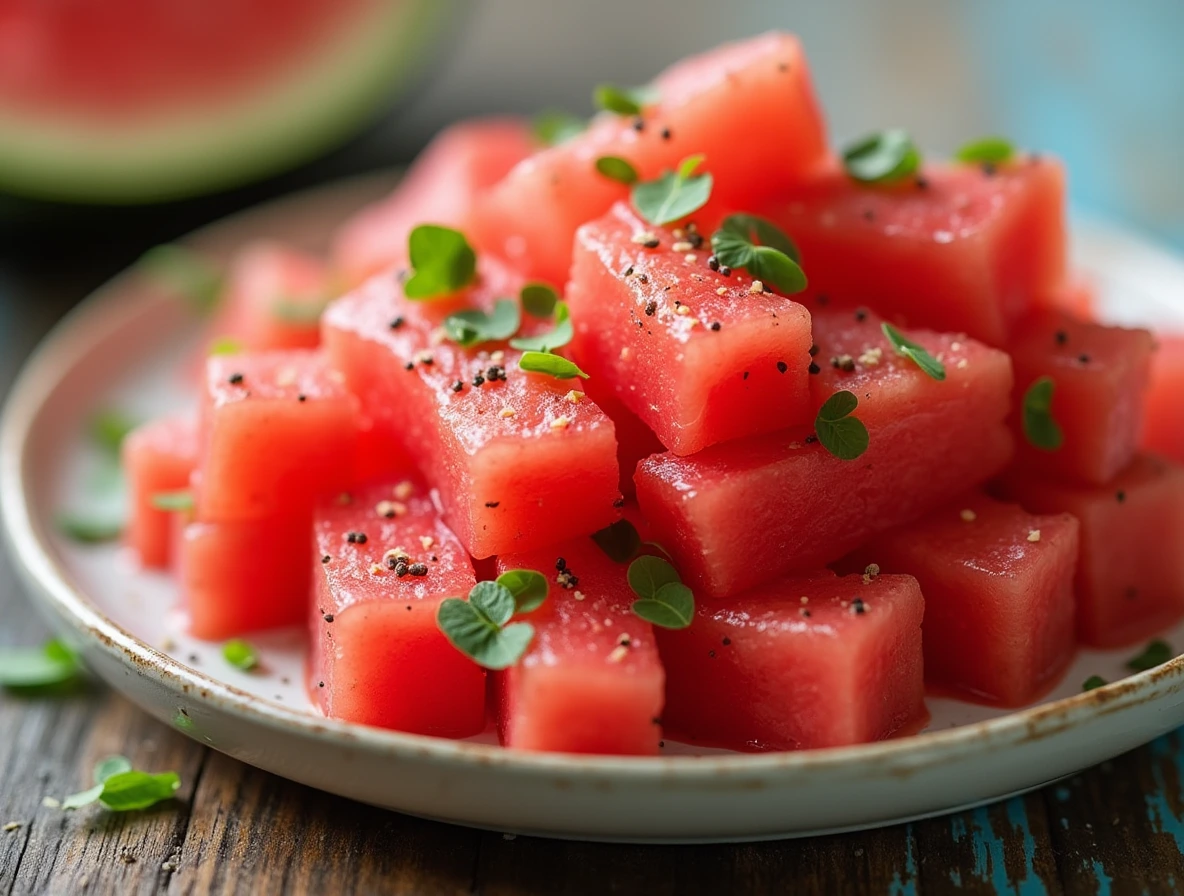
x,y
357,85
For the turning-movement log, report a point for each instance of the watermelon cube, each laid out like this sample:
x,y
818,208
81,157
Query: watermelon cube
x,y
273,299
1163,422
158,456
810,661
441,186
1076,296
959,249
696,366
998,586
242,576
279,429
1100,374
717,104
519,460
591,681
1130,572
635,440
745,512
378,656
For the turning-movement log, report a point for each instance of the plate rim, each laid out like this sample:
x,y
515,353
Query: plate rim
x,y
110,307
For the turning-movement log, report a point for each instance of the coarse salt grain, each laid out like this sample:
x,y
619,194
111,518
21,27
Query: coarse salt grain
x,y
756,287
682,246
871,357
375,569
578,595
426,541
619,653
506,413
1034,535
560,423
968,515
575,396
625,353
683,310
690,257
497,357
404,490
722,291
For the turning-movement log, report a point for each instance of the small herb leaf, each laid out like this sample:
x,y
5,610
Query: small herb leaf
x,y
647,574
477,626
882,158
240,654
191,275
761,248
758,231
672,606
473,326
29,668
112,765
1040,428
841,434
619,540
1093,683
674,195
109,428
443,262
539,299
914,351
87,529
528,587
1154,654
553,126
132,790
986,150
551,365
616,168
82,798
558,337
623,100
173,501
226,345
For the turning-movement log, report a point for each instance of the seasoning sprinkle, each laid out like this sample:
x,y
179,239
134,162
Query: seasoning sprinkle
x,y
756,288
418,569
235,379
356,537
397,322
560,423
814,368
681,246
575,396
715,326
1034,535
506,413
458,386
858,607
645,239
782,367
968,515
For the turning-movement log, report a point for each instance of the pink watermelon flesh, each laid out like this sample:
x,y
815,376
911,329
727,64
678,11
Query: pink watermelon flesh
x,y
998,586
279,429
1100,374
591,681
745,512
440,187
635,440
810,661
734,366
378,657
1130,574
273,299
749,107
242,576
158,456
965,253
380,455
1163,422
1076,296
520,462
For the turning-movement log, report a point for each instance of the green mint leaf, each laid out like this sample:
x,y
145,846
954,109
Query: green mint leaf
x,y
539,299
986,150
477,626
554,126
1093,683
299,313
473,326
1040,428
194,277
674,195
654,546
551,365
839,433
560,335
89,529
528,587
240,654
34,668
690,165
623,100
914,351
1154,654
109,428
647,574
111,766
226,345
616,168
132,790
82,798
672,606
443,262
774,261
758,231
619,540
882,158
173,502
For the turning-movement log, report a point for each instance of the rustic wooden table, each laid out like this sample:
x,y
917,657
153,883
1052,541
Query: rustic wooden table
x,y
1118,828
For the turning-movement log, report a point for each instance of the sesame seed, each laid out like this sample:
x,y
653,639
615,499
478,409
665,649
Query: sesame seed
x,y
690,258
427,541
955,346
756,288
625,353
11,826
968,515
497,357
287,376
683,310
681,246
722,291
575,396
404,490
560,423
375,569
804,599
578,595
962,364
1034,535
645,238
506,413
618,654
871,357
390,509
843,362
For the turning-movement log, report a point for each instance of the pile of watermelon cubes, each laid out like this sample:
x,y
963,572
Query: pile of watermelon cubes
x,y
677,423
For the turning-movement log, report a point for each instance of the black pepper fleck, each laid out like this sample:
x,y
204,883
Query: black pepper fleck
x,y
639,124
860,315
302,397
418,569
814,368
320,684
711,653
396,323
356,537
726,641
822,299
782,367
1083,358
922,183
813,350
478,380
811,439
746,374
328,617
619,502
869,214
715,325
713,262
666,133
1121,496
235,379
1062,337
858,607
458,386
492,504
989,169
325,558
650,308
410,365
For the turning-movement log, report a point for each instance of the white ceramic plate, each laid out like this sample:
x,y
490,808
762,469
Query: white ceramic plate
x,y
126,347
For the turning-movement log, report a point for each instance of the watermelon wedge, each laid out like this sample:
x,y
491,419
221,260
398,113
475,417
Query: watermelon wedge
x,y
745,512
1100,374
1130,580
378,657
956,249
440,186
158,457
717,104
591,681
998,586
520,460
810,661
1163,424
695,355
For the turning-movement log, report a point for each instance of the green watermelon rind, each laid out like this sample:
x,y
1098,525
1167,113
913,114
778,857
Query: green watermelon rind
x,y
289,121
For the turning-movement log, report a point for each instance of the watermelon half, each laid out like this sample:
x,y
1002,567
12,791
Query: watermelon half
x,y
142,101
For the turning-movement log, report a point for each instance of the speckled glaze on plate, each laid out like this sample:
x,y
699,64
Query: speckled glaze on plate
x,y
128,347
